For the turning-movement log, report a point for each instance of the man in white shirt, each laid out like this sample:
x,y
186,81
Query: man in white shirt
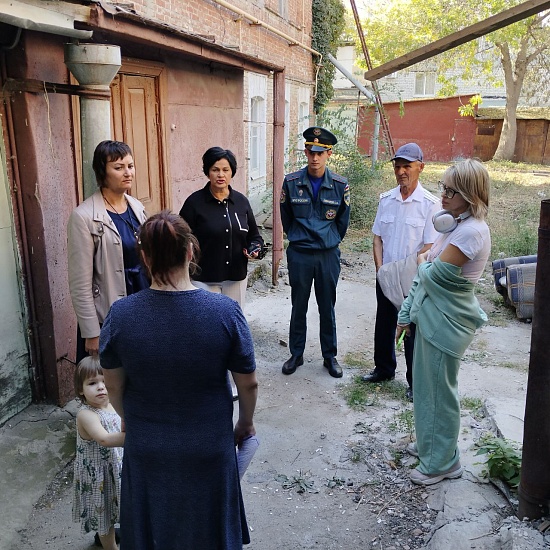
x,y
403,226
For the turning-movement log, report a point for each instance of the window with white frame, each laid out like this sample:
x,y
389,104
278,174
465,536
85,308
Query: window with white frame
x,y
287,120
257,133
283,8
287,128
303,109
424,84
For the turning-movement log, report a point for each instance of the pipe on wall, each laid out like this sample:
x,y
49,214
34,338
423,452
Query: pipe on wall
x,y
278,169
268,27
94,66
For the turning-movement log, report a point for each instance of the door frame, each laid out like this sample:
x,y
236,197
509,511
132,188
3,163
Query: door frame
x,y
151,69
137,67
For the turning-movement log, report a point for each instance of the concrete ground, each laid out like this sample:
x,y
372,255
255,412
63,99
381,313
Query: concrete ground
x,y
307,433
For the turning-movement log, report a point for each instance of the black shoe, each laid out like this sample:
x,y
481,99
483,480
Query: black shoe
x,y
334,369
409,394
292,364
376,377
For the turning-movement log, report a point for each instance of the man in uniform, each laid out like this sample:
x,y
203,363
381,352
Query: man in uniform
x,y
403,226
315,215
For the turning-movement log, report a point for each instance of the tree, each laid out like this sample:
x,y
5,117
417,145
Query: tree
x,y
327,26
399,26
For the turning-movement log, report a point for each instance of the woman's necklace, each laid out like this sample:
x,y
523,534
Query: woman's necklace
x,y
128,222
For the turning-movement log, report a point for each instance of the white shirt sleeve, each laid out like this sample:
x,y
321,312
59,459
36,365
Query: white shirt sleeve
x,y
468,240
376,229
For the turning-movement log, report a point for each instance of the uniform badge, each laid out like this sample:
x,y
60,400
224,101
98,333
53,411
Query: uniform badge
x,y
300,192
283,196
331,214
317,131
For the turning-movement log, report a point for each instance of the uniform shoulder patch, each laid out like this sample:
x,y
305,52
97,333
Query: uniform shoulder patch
x,y
430,196
339,179
293,175
386,194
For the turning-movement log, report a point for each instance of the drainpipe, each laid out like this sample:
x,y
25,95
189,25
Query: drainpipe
x,y
278,169
94,66
369,95
260,23
534,487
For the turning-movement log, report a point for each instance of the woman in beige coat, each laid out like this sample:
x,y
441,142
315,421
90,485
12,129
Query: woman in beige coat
x,y
102,234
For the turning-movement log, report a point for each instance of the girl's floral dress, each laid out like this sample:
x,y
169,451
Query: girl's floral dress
x,y
97,472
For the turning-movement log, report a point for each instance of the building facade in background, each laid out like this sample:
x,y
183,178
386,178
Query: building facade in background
x,y
194,74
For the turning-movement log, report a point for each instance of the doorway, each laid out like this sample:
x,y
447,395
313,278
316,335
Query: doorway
x,y
136,116
15,389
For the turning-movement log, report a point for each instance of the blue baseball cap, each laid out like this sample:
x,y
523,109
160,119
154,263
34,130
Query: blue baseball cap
x,y
409,151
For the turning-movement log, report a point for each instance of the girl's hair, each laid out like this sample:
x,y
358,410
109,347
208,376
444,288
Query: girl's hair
x,y
213,155
108,151
471,179
165,240
87,368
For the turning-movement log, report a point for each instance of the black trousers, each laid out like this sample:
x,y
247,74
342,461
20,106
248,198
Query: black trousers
x,y
322,269
384,338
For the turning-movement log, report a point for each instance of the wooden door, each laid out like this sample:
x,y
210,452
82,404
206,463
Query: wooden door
x,y
136,120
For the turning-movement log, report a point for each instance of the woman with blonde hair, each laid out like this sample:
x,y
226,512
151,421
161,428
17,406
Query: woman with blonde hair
x,y
442,305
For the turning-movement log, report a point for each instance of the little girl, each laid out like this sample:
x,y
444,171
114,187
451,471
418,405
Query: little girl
x,y
98,462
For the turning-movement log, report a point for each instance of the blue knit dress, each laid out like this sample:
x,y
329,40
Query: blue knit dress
x,y
180,484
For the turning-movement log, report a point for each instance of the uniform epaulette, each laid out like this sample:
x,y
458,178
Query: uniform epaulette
x,y
339,178
430,196
386,194
293,175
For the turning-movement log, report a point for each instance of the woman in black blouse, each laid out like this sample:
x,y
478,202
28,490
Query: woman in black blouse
x,y
223,222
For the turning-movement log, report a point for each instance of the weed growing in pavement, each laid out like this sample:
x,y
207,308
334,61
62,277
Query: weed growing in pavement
x,y
474,405
361,428
335,482
503,459
514,366
357,453
403,421
300,482
359,395
358,359
476,357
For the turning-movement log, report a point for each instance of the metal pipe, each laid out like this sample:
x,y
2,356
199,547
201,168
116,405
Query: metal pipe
x,y
94,66
351,78
278,169
260,23
534,487
376,135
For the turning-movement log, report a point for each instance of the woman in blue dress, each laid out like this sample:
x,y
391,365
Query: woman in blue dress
x,y
166,354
